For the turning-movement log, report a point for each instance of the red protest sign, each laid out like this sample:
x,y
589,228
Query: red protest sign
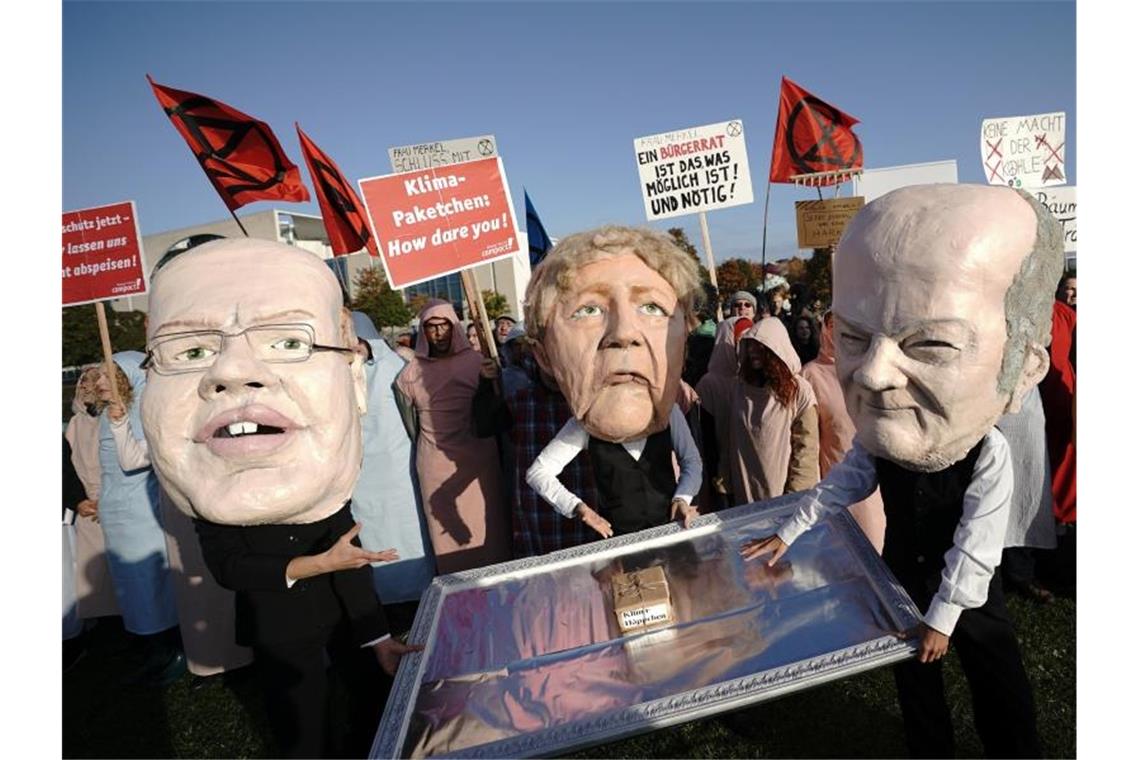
x,y
440,220
102,254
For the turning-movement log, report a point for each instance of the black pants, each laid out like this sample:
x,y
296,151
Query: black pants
x,y
1003,699
295,682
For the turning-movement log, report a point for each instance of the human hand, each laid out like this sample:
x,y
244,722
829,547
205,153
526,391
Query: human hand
x,y
88,508
932,644
594,520
390,650
116,411
758,547
344,555
489,368
681,509
686,397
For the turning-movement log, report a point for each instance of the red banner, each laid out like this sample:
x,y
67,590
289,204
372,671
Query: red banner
x,y
811,137
102,254
440,220
341,210
240,155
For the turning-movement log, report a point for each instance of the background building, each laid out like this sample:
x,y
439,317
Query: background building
x,y
507,276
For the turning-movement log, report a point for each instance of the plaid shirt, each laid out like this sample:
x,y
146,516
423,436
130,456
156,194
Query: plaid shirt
x,y
539,413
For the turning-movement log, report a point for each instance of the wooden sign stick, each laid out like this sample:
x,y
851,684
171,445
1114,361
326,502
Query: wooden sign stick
x,y
109,363
712,262
479,316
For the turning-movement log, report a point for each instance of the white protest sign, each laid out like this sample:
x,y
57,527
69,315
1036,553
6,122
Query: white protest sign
x,y
411,158
1024,151
693,170
1062,203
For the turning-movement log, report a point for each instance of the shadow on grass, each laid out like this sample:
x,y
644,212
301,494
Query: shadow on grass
x,y
103,716
853,717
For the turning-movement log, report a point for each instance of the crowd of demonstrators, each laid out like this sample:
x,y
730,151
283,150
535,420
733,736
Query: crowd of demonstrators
x,y
466,464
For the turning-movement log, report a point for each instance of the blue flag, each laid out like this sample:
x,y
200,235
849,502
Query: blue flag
x,y
536,235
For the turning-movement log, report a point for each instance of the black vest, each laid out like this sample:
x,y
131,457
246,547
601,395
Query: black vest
x,y
923,510
634,494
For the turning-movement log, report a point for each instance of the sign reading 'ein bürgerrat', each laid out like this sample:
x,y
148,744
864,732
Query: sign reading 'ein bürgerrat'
x,y
693,170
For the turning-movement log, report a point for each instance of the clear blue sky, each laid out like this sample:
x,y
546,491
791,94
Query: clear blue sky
x,y
564,87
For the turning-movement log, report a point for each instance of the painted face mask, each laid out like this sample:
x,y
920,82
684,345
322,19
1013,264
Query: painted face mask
x,y
615,341
922,276
253,401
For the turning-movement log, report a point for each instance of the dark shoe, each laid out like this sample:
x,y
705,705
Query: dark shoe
x,y
168,673
1034,591
160,669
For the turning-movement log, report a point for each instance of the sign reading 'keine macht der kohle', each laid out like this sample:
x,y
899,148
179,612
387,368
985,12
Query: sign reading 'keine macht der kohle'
x,y
102,257
693,170
1025,151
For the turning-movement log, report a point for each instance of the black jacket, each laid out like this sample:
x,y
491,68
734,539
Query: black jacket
x,y
251,560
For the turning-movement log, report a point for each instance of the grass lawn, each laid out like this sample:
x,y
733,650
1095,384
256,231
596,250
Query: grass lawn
x,y
855,717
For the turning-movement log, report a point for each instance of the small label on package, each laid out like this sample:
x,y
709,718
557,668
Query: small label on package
x,y
641,599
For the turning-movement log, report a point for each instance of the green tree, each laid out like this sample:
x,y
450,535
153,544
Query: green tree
x,y
683,242
795,270
81,344
417,302
817,274
737,274
495,304
384,306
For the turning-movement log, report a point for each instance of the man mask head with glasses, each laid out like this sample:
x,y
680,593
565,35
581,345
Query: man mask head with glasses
x,y
254,395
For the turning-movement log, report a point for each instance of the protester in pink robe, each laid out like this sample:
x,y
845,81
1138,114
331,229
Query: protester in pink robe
x,y
93,588
715,392
458,472
837,432
773,442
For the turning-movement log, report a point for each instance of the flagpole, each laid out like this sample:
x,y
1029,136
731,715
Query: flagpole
x,y
239,224
764,241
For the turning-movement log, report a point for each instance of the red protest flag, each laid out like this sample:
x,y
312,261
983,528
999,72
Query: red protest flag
x,y
812,136
340,206
240,155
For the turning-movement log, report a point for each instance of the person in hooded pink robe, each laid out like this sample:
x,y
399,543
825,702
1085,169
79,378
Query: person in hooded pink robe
x,y
467,521
773,425
837,432
93,588
715,391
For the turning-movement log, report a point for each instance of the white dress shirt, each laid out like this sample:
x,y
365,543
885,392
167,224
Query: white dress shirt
x,y
978,539
543,473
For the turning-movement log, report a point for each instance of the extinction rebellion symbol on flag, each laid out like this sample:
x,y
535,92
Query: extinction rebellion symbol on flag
x,y
829,150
